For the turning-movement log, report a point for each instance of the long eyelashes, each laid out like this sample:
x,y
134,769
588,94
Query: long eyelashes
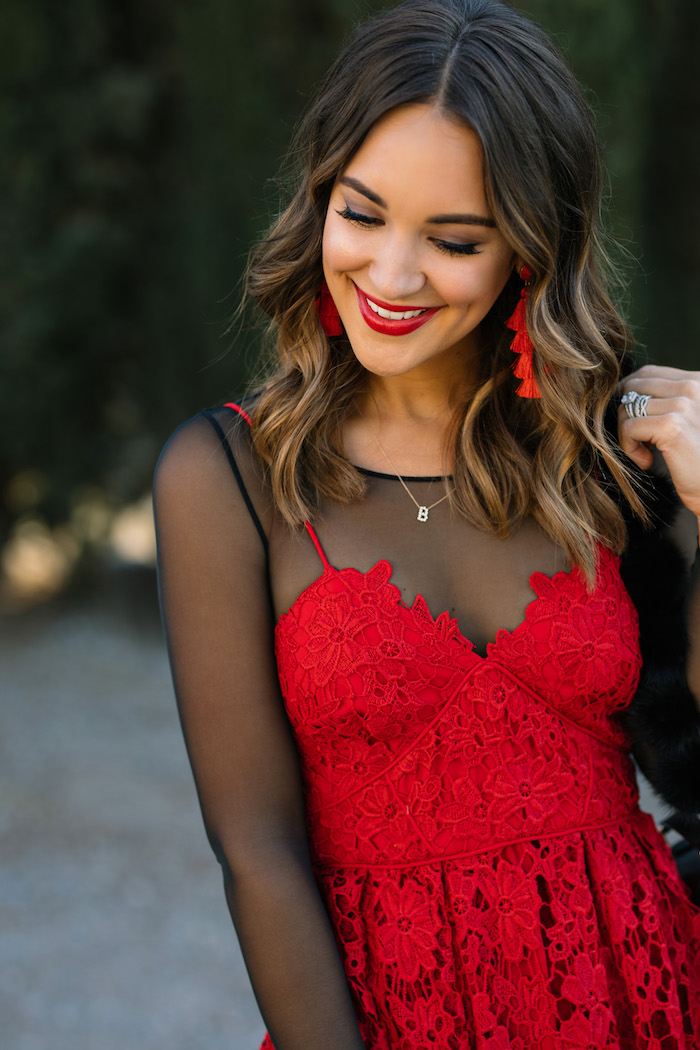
x,y
366,221
358,218
456,249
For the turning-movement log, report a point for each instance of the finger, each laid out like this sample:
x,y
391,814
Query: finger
x,y
686,386
661,406
660,372
671,424
638,452
655,374
677,438
637,433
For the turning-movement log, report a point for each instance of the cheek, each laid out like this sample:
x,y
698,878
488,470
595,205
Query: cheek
x,y
477,284
470,288
457,289
340,249
491,283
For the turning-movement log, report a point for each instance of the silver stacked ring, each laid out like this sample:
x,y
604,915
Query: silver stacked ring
x,y
635,404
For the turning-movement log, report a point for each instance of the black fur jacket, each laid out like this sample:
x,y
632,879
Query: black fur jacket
x,y
663,719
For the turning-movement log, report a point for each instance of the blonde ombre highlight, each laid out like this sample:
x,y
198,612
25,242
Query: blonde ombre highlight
x,y
487,67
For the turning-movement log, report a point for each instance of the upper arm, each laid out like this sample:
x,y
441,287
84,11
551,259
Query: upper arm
x,y
219,628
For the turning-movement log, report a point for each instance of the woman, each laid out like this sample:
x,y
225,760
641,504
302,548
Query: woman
x,y
429,840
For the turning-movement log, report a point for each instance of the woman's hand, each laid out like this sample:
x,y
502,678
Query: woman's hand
x,y
671,424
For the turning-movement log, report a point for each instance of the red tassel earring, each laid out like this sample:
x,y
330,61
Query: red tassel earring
x,y
522,344
328,312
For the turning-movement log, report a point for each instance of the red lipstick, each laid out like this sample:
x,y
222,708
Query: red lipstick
x,y
392,325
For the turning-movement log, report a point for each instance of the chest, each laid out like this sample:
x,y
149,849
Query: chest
x,y
355,659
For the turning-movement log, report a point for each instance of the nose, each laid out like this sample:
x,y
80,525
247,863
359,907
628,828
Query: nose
x,y
395,270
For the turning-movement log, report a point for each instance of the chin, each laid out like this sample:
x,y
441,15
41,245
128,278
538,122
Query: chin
x,y
382,366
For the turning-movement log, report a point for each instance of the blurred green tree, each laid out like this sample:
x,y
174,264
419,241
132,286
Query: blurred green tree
x,y
87,116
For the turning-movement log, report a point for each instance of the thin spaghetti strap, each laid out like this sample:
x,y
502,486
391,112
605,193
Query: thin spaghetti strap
x,y
235,407
317,544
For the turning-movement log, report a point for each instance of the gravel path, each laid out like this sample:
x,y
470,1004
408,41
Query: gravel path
x,y
115,933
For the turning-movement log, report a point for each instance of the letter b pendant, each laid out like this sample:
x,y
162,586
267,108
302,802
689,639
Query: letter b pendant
x,y
422,514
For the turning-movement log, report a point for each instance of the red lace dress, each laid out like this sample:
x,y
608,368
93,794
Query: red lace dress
x,y
471,810
474,823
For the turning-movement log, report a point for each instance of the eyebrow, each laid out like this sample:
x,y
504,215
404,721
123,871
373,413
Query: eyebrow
x,y
458,219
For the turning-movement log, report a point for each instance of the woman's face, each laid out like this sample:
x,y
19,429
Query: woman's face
x,y
411,254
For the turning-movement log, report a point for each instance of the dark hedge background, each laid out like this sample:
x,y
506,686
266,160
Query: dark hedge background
x,y
139,140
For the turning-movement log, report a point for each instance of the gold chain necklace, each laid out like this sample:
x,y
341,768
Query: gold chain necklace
x,y
422,509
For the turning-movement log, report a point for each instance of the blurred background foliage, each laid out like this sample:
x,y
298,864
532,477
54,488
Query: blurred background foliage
x,y
139,141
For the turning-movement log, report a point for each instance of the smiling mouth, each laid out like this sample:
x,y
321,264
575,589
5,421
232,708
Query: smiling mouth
x,y
394,315
389,320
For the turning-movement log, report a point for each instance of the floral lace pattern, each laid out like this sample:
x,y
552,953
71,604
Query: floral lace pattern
x,y
474,823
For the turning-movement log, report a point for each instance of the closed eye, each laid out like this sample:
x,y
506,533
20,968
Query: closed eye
x,y
450,248
358,218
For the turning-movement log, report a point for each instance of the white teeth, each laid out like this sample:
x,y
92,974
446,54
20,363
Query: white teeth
x,y
393,315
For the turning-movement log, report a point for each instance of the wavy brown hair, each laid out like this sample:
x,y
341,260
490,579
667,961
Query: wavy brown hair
x,y
485,65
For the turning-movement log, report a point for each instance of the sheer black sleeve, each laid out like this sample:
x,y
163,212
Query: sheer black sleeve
x,y
663,718
219,629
